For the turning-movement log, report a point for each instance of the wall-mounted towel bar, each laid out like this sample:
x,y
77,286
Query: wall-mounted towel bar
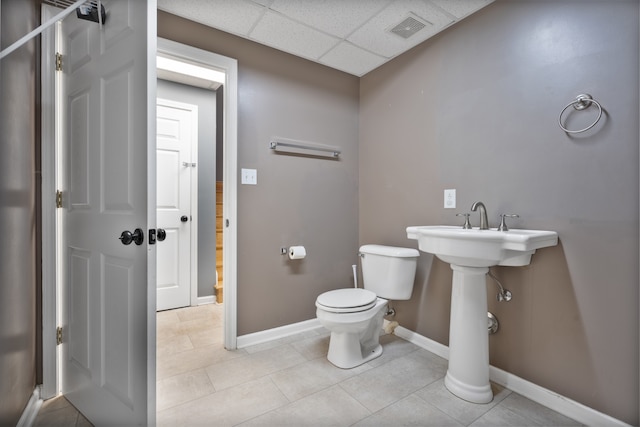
x,y
291,146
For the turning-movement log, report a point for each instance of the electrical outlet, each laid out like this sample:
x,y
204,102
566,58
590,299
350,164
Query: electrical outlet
x,y
250,176
450,199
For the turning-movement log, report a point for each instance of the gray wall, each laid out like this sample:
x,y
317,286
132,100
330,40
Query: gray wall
x,y
18,180
476,109
206,167
298,200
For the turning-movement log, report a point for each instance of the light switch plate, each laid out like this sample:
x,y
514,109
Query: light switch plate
x,y
450,199
249,176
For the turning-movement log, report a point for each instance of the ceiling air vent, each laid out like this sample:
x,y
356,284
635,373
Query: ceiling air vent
x,y
408,27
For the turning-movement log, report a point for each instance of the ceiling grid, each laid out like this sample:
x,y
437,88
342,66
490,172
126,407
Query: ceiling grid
x,y
354,36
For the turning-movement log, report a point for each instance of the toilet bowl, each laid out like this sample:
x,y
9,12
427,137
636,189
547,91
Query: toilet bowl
x,y
354,329
354,315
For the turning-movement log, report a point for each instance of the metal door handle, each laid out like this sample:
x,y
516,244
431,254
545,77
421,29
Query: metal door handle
x,y
127,237
184,218
161,234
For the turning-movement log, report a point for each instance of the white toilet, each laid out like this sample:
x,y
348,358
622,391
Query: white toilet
x,y
354,315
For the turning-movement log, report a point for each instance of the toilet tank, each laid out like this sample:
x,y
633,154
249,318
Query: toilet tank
x,y
389,271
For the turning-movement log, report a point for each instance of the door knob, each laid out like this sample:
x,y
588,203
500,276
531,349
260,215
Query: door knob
x,y
184,218
161,234
127,237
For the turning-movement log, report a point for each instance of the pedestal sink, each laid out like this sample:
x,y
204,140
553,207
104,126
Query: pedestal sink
x,y
471,252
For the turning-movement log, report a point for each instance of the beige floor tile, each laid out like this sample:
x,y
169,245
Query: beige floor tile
x,y
256,348
499,416
167,346
392,348
465,412
226,408
541,415
206,312
210,336
331,407
182,388
310,377
388,383
404,386
253,366
57,412
410,411
313,347
197,358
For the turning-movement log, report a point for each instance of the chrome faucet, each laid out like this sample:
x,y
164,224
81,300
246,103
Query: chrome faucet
x,y
484,223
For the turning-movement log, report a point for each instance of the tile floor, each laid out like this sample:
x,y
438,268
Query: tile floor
x,y
290,382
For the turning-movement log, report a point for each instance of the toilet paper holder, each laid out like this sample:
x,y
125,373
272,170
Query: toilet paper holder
x,y
294,252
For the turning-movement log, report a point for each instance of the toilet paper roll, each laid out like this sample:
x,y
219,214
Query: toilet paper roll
x,y
297,252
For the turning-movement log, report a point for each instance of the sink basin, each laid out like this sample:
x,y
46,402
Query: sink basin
x,y
471,252
481,248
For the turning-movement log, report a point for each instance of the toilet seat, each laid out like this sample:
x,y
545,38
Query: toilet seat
x,y
348,300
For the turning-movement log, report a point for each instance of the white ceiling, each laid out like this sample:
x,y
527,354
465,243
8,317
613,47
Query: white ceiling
x,y
353,36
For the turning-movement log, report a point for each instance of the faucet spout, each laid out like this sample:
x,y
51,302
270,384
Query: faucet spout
x,y
484,223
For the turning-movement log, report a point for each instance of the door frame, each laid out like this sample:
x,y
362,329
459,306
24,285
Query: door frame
x,y
193,196
49,156
229,66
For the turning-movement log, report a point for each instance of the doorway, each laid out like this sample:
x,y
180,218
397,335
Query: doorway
x,y
228,66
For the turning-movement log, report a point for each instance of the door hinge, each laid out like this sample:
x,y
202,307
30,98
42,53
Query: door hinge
x,y
59,335
58,199
58,61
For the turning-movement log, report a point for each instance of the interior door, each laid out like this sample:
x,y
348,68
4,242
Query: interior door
x,y
108,146
177,127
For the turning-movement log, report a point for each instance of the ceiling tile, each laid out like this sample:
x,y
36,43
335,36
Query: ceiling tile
x,y
375,37
352,59
461,8
337,17
282,33
234,16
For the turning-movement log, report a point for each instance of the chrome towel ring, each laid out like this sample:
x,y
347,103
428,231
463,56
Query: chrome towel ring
x,y
581,102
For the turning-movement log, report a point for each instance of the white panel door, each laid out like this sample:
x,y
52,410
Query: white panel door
x,y
177,125
107,138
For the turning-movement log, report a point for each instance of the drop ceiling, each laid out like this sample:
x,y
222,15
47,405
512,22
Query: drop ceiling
x,y
354,36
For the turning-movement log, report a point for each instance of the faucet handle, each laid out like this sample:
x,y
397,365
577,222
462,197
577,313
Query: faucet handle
x,y
503,225
467,224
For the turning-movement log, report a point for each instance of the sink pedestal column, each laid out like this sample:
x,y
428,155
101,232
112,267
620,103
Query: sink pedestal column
x,y
468,373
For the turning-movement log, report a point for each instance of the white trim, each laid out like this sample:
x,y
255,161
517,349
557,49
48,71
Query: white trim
x,y
563,405
195,139
152,174
277,333
30,412
423,342
209,299
48,207
230,104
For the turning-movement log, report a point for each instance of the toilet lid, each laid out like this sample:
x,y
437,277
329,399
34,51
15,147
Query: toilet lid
x,y
347,300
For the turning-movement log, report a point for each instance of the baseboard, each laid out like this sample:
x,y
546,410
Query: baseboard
x,y
31,410
563,405
277,333
209,299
